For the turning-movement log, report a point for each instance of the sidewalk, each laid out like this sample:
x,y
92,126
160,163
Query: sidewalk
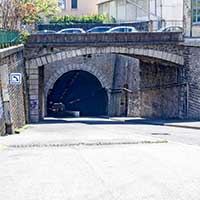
x,y
193,124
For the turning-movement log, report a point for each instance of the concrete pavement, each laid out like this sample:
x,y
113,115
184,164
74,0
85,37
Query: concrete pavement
x,y
102,171
75,131
141,172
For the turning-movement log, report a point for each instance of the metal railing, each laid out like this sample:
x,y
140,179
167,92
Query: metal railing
x,y
9,38
142,26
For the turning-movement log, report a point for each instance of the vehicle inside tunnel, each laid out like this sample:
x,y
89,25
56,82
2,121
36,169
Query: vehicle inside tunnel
x,y
78,91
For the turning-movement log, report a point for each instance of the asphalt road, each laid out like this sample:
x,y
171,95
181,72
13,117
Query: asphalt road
x,y
100,159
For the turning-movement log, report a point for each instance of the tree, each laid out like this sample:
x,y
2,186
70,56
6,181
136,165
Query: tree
x,y
46,8
13,13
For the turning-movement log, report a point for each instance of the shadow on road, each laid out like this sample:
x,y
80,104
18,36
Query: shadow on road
x,y
111,121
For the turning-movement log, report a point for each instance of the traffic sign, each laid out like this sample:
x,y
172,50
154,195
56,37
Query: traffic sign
x,y
15,78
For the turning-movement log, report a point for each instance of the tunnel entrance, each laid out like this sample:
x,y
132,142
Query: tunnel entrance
x,y
77,91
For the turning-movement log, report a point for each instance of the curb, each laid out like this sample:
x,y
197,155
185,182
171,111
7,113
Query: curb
x,y
161,123
183,126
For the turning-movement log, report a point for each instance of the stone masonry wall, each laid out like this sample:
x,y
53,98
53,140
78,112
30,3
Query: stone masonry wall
x,y
135,88
118,71
99,65
2,120
127,75
192,62
160,90
12,61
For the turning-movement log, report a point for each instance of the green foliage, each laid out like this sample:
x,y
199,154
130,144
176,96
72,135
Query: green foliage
x,y
24,35
41,9
82,19
46,8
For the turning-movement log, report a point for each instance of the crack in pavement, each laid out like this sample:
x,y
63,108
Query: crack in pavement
x,y
55,145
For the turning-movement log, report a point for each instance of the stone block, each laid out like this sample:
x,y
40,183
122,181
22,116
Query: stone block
x,y
33,76
39,62
33,64
78,52
49,59
131,51
158,54
33,81
59,56
54,57
44,61
33,71
33,91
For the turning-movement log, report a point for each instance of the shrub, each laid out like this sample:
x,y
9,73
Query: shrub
x,y
67,19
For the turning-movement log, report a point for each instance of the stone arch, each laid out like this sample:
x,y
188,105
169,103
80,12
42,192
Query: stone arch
x,y
151,53
67,68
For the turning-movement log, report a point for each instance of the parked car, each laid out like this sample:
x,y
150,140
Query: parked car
x,y
171,29
99,29
46,32
71,30
122,29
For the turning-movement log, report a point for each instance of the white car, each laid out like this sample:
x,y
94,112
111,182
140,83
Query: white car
x,y
171,29
46,32
122,29
71,30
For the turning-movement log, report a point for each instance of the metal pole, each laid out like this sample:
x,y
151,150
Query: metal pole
x,y
156,8
117,7
191,19
149,10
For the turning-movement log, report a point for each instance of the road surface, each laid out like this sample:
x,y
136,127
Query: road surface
x,y
100,159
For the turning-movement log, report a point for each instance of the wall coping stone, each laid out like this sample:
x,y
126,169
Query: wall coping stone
x,y
191,42
11,50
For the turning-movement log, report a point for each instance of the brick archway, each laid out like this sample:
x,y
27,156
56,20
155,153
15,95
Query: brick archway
x,y
67,68
105,82
130,51
33,66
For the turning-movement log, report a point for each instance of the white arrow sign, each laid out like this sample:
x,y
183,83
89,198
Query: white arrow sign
x,y
15,78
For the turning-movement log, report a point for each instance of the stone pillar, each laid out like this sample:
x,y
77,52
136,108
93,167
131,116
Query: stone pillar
x,y
114,103
33,90
184,90
41,93
192,78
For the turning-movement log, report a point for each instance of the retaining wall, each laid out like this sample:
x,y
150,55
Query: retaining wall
x,y
13,96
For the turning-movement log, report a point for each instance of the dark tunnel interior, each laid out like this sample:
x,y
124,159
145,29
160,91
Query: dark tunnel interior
x,y
77,91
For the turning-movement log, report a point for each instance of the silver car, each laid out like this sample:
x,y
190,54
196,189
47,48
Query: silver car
x,y
71,30
171,29
99,29
122,29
